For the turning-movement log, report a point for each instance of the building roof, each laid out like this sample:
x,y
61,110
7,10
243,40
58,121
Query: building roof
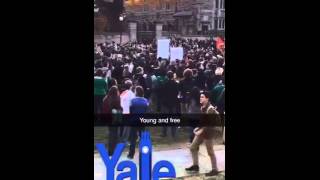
x,y
183,13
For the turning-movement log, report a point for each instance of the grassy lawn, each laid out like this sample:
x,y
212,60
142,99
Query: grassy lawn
x,y
159,143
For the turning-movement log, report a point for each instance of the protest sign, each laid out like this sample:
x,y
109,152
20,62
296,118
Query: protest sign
x,y
163,48
176,53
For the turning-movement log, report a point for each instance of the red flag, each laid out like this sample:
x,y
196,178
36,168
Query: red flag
x,y
219,43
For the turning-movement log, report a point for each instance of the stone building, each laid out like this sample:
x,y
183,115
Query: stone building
x,y
106,16
184,17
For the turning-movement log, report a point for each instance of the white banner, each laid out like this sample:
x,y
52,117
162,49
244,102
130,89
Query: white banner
x,y
176,53
163,48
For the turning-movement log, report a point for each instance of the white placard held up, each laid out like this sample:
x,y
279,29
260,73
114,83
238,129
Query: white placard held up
x,y
163,48
176,53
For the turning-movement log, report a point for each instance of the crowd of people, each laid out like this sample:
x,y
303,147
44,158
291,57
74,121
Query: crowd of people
x,y
131,79
202,67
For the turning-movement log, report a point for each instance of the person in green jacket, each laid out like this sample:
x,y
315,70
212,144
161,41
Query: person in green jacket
x,y
100,91
216,93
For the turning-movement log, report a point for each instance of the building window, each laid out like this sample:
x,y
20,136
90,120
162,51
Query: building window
x,y
221,4
161,4
144,26
145,7
216,24
167,5
217,4
152,27
221,23
164,28
205,18
176,6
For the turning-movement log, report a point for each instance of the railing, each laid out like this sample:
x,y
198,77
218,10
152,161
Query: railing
x,y
146,35
111,36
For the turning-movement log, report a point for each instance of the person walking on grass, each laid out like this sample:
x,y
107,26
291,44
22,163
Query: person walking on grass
x,y
204,135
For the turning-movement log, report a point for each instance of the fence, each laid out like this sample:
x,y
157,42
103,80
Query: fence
x,y
109,37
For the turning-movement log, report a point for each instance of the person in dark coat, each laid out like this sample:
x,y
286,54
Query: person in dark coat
x,y
193,108
139,105
200,79
185,87
117,72
138,78
111,105
170,90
